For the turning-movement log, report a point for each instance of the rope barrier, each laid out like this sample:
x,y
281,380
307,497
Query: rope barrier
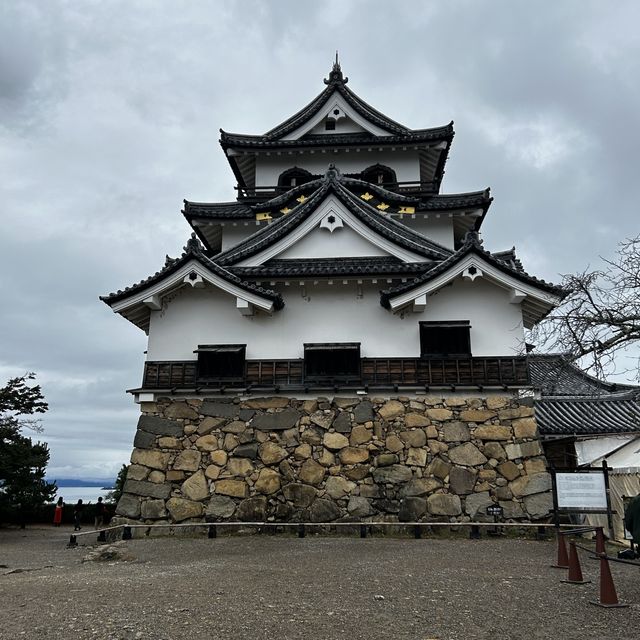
x,y
301,527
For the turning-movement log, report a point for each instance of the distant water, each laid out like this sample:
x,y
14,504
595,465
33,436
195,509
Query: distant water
x,y
86,494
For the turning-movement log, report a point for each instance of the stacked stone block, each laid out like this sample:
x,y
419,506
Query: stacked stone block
x,y
349,459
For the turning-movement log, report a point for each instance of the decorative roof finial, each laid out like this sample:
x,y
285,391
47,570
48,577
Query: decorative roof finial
x,y
336,77
193,245
473,238
332,172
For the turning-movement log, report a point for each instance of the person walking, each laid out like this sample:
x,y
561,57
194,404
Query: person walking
x,y
77,515
99,514
57,514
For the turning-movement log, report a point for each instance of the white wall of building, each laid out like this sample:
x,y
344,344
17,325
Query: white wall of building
x,y
233,233
332,313
343,125
591,451
404,163
439,230
342,242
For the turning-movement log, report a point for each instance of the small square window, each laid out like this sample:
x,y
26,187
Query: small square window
x,y
221,361
445,339
333,360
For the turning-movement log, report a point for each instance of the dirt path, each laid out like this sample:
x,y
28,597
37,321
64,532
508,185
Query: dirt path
x,y
313,588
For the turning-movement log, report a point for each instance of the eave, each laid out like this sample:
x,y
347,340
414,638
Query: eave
x,y
597,416
412,244
537,297
195,269
362,268
432,146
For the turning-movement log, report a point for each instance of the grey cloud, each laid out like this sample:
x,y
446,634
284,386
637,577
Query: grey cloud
x,y
110,114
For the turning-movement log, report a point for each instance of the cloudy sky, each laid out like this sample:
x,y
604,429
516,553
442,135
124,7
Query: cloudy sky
x,y
109,117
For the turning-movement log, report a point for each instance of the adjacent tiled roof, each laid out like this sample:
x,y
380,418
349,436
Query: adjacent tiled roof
x,y
575,403
415,136
588,416
556,375
334,267
194,250
510,258
241,211
472,244
332,183
445,202
216,210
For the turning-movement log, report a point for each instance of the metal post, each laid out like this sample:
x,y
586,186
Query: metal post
x,y
417,532
554,491
126,533
541,533
72,541
102,537
212,531
363,530
474,534
301,530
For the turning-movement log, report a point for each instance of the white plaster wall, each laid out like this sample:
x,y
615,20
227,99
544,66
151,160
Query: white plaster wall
x,y
439,230
232,233
342,242
343,125
590,451
404,163
332,313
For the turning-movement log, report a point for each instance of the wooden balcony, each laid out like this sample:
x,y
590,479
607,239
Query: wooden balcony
x,y
375,373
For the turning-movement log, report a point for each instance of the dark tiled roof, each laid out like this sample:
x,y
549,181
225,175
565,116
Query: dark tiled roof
x,y
194,250
416,136
472,244
242,211
358,186
587,416
332,183
509,257
442,202
335,82
575,403
216,210
380,194
556,375
337,267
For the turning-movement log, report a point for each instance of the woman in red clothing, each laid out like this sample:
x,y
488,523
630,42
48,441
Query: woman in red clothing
x,y
57,514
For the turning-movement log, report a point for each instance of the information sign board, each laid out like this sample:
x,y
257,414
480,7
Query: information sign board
x,y
581,491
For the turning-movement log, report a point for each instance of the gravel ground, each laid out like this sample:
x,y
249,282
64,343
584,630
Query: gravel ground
x,y
258,586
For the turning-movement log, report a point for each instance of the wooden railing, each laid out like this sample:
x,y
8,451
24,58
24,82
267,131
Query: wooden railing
x,y
374,372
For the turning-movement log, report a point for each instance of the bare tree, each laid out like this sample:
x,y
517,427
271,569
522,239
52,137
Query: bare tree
x,y
598,321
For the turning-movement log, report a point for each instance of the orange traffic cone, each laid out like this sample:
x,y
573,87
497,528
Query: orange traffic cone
x,y
608,595
575,572
563,558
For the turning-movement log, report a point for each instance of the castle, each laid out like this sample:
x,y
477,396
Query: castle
x,y
337,343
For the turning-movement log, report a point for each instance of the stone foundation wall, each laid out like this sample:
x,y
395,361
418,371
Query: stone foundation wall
x,y
283,459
